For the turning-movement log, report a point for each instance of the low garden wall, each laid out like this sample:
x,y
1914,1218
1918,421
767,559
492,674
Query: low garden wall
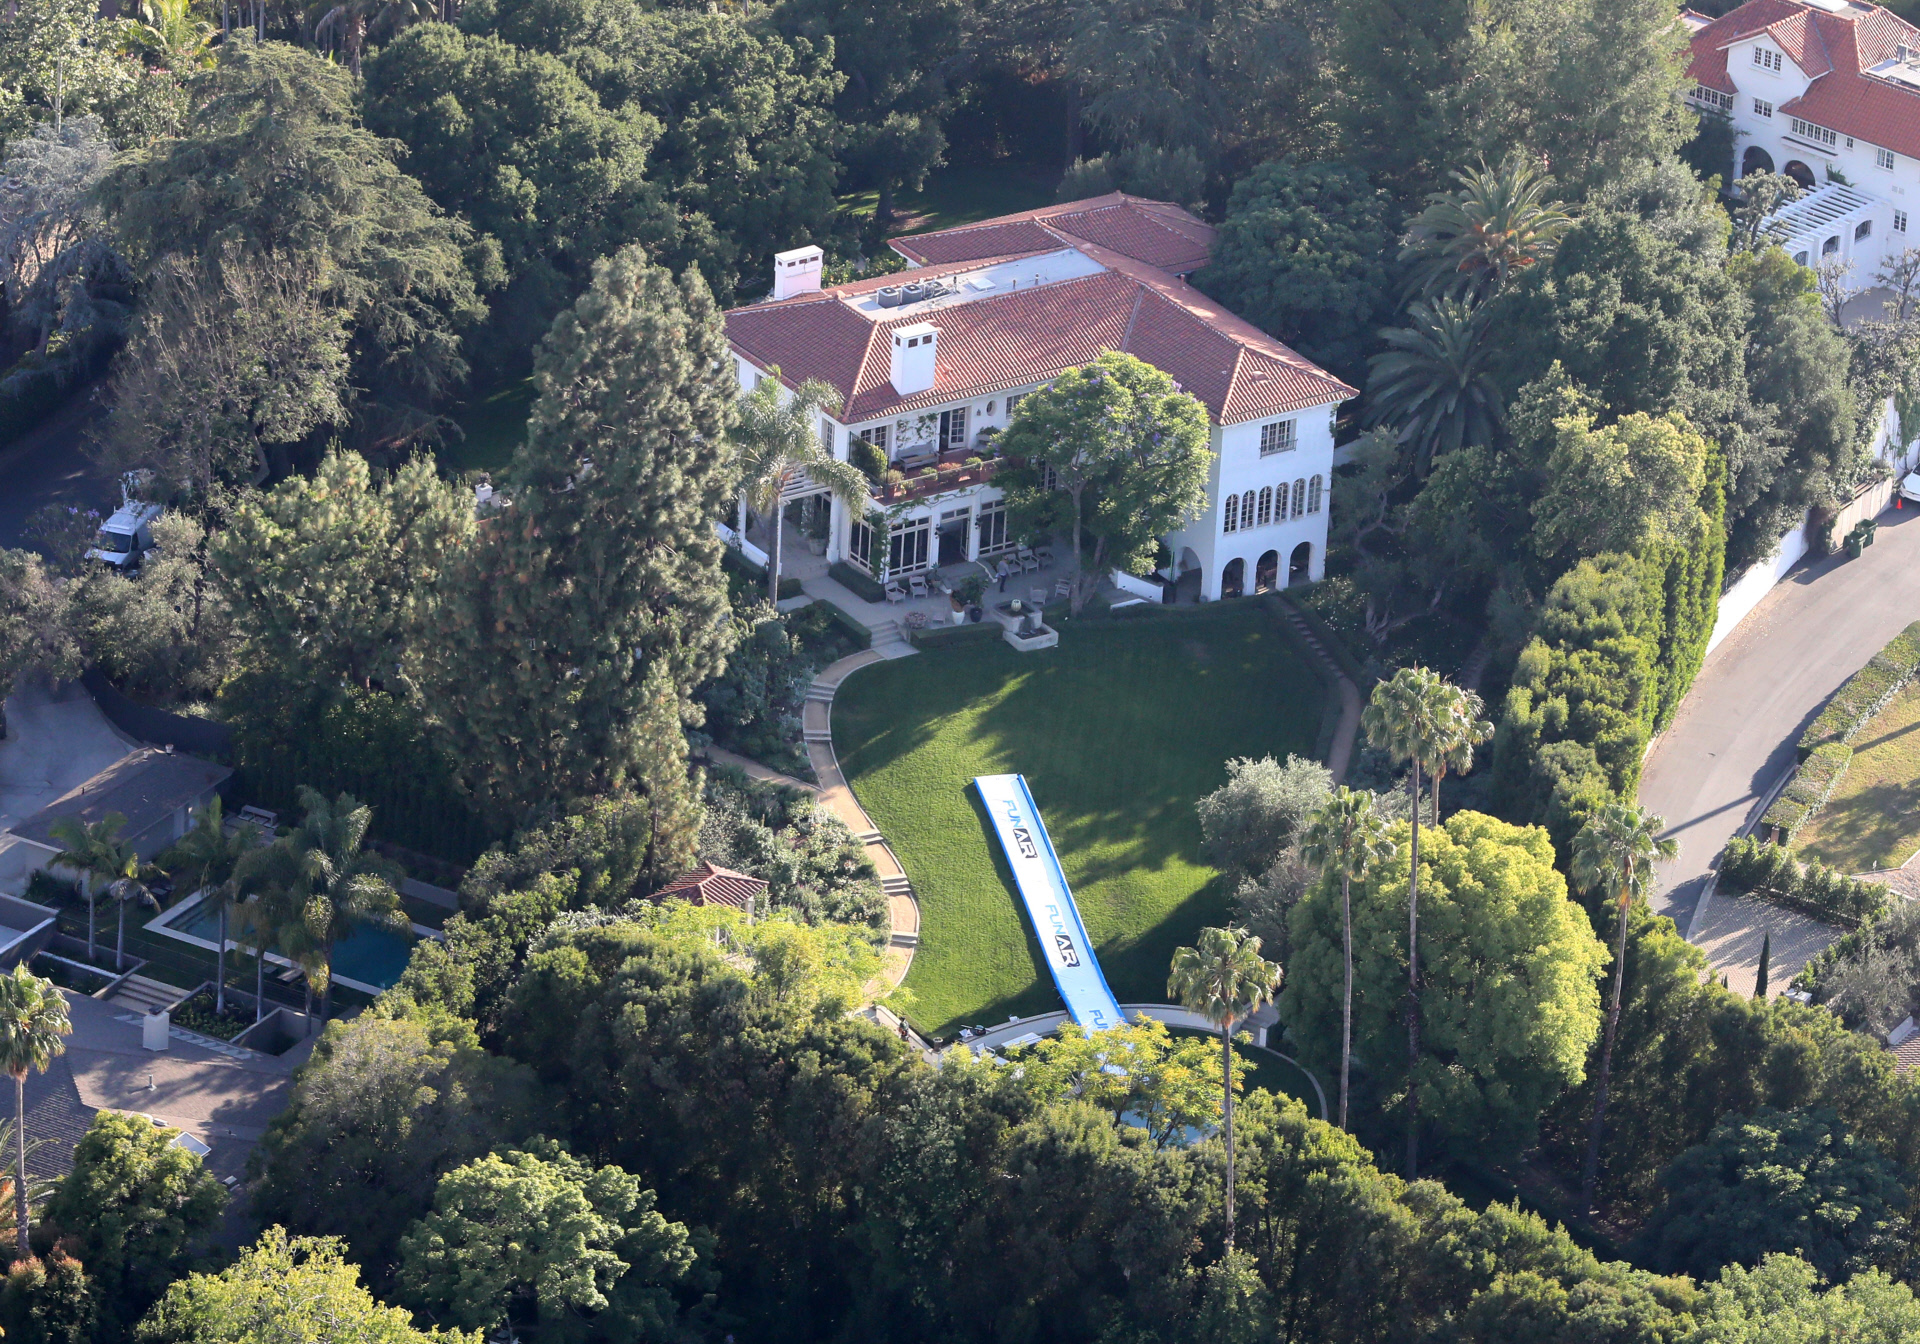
x,y
200,737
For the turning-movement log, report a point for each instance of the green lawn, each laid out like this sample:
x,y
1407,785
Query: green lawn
x,y
1118,731
494,426
1873,819
963,195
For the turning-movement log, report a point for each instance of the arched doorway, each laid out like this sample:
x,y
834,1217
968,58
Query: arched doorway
x,y
1266,574
1233,579
1301,563
1800,173
1755,160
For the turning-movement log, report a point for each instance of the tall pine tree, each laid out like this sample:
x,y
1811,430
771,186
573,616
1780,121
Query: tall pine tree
x,y
605,564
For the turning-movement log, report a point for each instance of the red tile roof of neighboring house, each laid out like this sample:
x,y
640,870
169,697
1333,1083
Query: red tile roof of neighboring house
x,y
1907,1053
1834,50
1028,336
710,884
1155,232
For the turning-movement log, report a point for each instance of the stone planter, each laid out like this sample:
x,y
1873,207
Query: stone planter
x,y
1041,638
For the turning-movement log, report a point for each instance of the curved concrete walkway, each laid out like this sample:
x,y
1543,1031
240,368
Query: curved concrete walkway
x,y
816,723
1170,1013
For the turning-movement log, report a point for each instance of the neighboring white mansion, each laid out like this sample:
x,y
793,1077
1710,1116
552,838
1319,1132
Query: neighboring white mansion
x,y
930,363
1827,92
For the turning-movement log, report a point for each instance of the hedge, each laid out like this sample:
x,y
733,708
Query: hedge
x,y
733,559
858,633
1771,873
1866,692
860,585
1812,785
950,636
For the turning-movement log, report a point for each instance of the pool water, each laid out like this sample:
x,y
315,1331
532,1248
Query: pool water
x,y
370,956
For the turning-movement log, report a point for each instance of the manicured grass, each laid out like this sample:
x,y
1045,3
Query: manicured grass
x,y
964,195
1873,819
494,426
1119,731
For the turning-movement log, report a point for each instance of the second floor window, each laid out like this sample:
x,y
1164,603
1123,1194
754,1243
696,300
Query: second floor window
x,y
1818,134
1883,158
1276,438
1766,59
877,436
1899,221
953,428
1762,107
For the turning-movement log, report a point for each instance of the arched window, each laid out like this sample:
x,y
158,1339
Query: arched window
x,y
1231,521
1864,229
1266,505
1313,495
1280,503
1299,497
1246,511
1831,246
1233,580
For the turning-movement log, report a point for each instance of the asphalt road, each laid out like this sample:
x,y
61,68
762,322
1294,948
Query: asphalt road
x,y
1734,736
46,465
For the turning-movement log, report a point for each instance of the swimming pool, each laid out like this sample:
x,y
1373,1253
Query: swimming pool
x,y
368,959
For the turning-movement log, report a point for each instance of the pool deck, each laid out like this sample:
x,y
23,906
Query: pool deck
x,y
164,924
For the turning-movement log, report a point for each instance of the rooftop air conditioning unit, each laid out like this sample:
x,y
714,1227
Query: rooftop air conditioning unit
x,y
890,297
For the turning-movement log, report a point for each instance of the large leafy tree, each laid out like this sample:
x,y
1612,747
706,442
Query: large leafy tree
x,y
273,161
34,630
134,1209
1614,855
1346,838
606,564
1224,978
59,273
1162,1082
386,1108
1622,487
1509,1007
1793,1181
541,1242
1115,455
33,1025
288,1290
1782,1299
1302,252
344,565
1246,822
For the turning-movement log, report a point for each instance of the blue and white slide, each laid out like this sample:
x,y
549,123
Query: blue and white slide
x,y
1043,888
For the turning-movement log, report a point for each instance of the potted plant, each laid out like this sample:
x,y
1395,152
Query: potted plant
x,y
967,595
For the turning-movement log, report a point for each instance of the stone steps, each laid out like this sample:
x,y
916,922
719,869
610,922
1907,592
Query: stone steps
x,y
144,995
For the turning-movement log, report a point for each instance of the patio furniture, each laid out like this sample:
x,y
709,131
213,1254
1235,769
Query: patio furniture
x,y
1045,553
918,583
895,593
1063,588
1039,596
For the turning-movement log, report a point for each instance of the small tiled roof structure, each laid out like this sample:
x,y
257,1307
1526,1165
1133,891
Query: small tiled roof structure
x,y
1137,302
1834,48
149,787
710,884
1906,1054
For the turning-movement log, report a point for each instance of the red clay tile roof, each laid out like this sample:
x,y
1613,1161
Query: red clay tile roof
x,y
1155,232
1907,1053
1027,336
710,884
1834,50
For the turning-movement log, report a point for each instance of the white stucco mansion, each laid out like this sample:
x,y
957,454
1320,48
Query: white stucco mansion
x,y
1827,92
930,363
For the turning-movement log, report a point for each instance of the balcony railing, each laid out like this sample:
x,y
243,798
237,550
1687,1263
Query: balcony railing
x,y
936,478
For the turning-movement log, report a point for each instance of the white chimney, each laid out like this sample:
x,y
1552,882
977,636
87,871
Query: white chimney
x,y
797,272
913,357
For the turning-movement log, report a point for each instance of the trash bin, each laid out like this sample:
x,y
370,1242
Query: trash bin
x,y
155,1029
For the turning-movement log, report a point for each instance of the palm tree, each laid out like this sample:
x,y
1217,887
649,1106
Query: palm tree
x,y
1224,979
1465,731
775,443
33,1018
323,885
128,889
1467,244
354,21
1346,836
1419,717
94,850
169,35
211,854
1614,853
1431,384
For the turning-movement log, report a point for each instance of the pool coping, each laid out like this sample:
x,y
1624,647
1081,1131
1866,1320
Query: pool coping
x,y
162,925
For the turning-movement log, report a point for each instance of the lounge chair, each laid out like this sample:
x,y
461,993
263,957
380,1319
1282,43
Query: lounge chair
x,y
1039,596
1029,561
895,593
1063,587
918,583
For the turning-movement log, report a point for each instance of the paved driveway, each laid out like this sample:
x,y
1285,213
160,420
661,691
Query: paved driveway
x,y
57,739
1734,736
48,465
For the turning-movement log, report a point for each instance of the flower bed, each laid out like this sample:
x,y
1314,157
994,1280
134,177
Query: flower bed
x,y
196,1014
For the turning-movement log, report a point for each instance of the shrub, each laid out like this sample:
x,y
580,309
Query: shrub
x,y
1866,692
1812,785
860,585
1770,872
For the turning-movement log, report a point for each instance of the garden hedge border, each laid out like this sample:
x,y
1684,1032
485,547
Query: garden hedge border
x,y
860,585
986,631
1865,693
1810,788
1771,872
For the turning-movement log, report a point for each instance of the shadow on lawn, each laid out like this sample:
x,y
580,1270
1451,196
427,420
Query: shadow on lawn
x,y
1874,828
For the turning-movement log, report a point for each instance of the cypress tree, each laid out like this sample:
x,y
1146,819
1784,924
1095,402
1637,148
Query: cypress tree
x,y
1766,964
604,565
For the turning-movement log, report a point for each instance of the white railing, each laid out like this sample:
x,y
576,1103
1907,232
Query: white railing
x,y
740,543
